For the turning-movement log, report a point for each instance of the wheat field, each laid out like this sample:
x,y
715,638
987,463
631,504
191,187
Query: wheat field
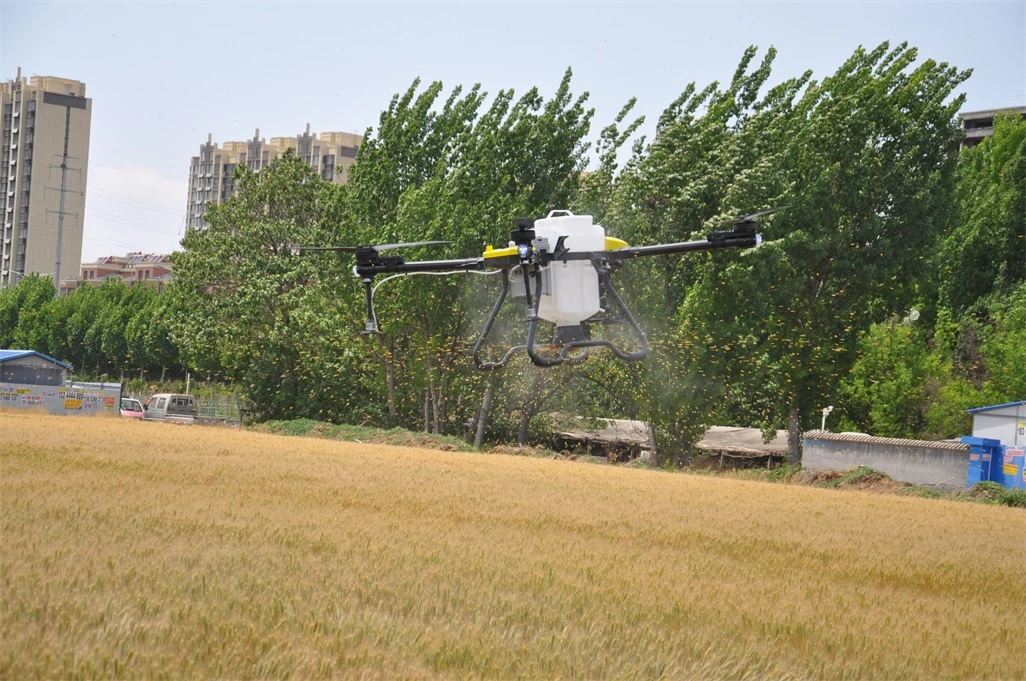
x,y
145,550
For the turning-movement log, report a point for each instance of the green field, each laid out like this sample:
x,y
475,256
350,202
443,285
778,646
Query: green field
x,y
138,550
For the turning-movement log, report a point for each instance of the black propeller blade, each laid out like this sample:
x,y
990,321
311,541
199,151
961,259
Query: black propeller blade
x,y
365,249
409,244
752,216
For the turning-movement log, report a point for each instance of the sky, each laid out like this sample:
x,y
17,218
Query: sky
x,y
164,75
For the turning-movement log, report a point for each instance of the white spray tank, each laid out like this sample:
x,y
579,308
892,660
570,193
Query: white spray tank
x,y
570,289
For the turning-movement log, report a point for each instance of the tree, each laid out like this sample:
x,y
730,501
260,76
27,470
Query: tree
x,y
148,335
461,173
23,312
894,381
986,251
867,166
244,289
715,154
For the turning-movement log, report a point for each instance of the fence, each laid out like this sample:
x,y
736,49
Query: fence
x,y
943,464
225,407
213,405
72,398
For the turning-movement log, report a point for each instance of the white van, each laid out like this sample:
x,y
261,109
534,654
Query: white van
x,y
171,408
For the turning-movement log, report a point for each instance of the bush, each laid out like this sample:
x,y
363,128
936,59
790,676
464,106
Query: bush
x,y
1014,497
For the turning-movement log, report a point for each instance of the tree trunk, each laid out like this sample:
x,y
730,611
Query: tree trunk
x,y
532,405
525,422
655,442
482,415
794,437
163,373
427,410
390,385
434,406
431,416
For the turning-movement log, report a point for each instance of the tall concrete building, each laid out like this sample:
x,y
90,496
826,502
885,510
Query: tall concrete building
x,y
43,161
979,125
210,174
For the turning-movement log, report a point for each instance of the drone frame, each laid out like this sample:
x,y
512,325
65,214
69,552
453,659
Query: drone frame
x,y
532,258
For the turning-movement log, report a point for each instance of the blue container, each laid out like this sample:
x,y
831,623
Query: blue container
x,y
982,452
1008,470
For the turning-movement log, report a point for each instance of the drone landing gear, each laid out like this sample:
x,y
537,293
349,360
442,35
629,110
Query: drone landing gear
x,y
482,364
567,338
371,326
564,356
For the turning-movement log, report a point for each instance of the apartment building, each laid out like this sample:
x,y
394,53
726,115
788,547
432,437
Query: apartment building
x,y
43,160
210,173
979,125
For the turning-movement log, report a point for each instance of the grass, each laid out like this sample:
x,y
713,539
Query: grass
x,y
134,549
399,437
865,479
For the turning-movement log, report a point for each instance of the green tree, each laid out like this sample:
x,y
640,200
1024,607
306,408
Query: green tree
x,y
89,304
23,313
243,288
868,168
148,335
986,251
716,153
114,343
1004,347
103,338
462,173
895,380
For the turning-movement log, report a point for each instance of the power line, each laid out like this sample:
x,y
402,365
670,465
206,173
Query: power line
x,y
146,203
114,242
137,204
113,217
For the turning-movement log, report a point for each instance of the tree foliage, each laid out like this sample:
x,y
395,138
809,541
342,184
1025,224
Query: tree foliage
x,y
461,172
986,250
252,310
867,168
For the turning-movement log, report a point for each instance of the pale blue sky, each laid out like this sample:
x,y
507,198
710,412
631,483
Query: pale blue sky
x,y
162,75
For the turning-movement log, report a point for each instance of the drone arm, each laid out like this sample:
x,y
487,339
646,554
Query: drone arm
x,y
366,270
395,265
715,241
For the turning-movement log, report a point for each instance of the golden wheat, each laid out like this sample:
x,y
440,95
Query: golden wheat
x,y
134,549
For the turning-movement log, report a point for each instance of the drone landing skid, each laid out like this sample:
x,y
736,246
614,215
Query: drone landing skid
x,y
567,338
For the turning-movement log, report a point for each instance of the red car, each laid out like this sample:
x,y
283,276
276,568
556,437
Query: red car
x,y
131,408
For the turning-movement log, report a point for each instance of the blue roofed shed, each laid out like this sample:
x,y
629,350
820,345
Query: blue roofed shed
x,y
29,367
1003,422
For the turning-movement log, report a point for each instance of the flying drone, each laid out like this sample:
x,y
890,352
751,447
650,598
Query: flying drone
x,y
561,266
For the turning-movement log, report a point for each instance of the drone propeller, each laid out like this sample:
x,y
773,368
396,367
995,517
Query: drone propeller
x,y
745,219
365,249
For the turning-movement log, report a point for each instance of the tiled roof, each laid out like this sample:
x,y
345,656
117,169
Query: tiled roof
x,y
869,439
